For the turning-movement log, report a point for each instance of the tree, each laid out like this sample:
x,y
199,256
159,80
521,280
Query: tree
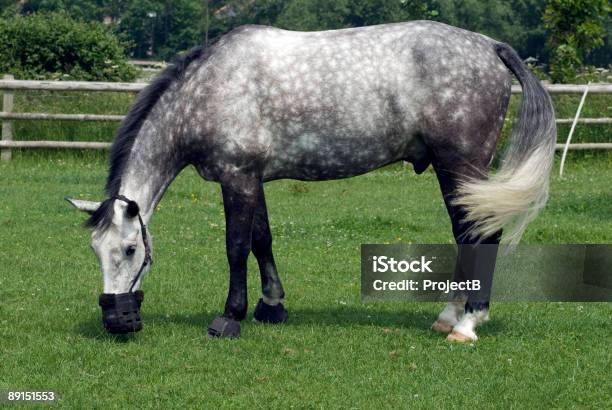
x,y
314,14
162,28
307,15
516,22
576,27
84,10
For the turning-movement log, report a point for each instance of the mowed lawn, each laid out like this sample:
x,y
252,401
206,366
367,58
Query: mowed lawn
x,y
334,352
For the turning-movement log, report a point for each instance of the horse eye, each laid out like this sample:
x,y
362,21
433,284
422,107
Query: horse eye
x,y
130,250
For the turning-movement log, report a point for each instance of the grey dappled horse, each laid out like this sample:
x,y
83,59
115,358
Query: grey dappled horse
x,y
263,104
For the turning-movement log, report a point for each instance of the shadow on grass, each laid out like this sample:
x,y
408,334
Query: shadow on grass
x,y
353,316
93,329
336,316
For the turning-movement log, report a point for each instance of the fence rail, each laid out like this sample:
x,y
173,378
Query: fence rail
x,y
9,85
55,144
571,88
58,117
96,117
31,85
106,145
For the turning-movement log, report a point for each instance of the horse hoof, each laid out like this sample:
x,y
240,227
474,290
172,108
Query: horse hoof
x,y
270,314
224,327
442,326
455,336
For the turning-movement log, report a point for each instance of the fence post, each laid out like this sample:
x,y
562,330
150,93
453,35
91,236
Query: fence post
x,y
7,126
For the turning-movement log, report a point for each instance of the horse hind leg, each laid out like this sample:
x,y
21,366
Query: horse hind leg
x,y
475,261
455,307
270,308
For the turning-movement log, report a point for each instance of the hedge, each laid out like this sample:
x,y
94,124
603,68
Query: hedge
x,y
55,46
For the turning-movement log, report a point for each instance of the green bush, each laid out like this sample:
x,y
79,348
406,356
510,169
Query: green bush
x,y
55,46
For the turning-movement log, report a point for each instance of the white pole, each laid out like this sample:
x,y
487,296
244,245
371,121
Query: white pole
x,y
569,137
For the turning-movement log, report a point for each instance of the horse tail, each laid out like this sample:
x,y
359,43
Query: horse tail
x,y
514,195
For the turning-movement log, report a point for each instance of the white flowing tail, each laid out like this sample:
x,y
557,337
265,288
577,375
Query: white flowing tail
x,y
514,195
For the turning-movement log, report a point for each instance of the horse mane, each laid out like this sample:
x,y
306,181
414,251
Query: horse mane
x,y
130,126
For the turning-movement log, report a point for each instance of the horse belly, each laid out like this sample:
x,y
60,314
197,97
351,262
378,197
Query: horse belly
x,y
313,157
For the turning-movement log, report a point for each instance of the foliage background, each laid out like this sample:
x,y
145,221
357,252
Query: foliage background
x,y
179,24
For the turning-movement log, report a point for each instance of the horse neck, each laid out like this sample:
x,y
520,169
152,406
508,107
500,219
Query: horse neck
x,y
152,165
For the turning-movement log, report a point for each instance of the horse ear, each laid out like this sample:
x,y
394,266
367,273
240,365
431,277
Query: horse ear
x,y
86,206
132,209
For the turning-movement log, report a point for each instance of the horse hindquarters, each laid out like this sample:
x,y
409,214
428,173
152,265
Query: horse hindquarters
x,y
462,148
480,206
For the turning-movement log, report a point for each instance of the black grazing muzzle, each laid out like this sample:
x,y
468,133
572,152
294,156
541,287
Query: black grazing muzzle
x,y
121,312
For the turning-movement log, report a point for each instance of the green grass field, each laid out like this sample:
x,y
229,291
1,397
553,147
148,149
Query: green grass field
x,y
334,352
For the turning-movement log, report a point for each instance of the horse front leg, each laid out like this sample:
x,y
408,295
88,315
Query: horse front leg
x,y
240,198
270,308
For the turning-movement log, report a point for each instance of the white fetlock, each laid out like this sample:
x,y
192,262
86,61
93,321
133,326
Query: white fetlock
x,y
462,336
464,331
448,318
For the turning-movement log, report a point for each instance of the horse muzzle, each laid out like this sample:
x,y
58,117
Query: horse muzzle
x,y
121,312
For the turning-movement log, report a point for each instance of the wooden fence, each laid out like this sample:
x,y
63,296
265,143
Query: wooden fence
x,y
7,116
